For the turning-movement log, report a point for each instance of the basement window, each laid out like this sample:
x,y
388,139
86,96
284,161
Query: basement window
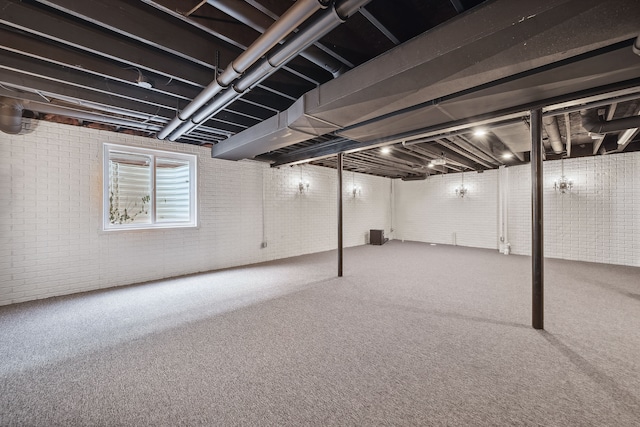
x,y
146,188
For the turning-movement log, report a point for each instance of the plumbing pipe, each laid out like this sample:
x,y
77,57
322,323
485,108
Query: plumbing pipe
x,y
259,21
288,22
329,19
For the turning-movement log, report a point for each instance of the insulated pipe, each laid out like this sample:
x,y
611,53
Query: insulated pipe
x,y
218,103
329,20
551,126
592,124
286,52
636,46
257,20
288,22
10,115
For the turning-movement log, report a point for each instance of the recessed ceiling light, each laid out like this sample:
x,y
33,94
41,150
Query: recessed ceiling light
x,y
385,150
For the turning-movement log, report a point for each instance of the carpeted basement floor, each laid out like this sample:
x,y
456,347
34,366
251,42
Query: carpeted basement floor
x,y
412,335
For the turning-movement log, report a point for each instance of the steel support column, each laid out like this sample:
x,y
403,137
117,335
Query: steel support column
x,y
339,168
537,243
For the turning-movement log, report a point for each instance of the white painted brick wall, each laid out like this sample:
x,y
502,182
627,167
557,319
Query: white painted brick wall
x,y
430,210
51,241
598,221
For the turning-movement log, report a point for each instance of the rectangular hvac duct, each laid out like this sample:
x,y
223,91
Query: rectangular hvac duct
x,y
449,72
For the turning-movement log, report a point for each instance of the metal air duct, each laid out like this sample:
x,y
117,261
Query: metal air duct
x,y
288,22
592,124
551,126
497,56
257,20
10,115
326,22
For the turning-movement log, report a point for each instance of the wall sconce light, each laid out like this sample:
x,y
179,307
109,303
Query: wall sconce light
x,y
462,190
303,185
356,191
562,185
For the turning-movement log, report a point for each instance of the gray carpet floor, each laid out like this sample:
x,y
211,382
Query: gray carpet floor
x,y
413,334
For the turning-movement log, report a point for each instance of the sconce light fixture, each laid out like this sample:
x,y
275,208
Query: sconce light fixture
x,y
303,185
562,185
356,190
462,190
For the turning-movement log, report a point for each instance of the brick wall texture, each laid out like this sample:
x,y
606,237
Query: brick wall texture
x,y
51,238
52,243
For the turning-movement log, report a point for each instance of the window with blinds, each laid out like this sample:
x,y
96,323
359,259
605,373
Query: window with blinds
x,y
148,188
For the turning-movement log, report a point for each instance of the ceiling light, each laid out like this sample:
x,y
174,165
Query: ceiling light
x,y
479,132
143,81
438,161
507,156
385,150
303,185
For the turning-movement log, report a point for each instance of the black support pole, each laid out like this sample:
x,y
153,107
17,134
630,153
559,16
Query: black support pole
x,y
339,214
537,242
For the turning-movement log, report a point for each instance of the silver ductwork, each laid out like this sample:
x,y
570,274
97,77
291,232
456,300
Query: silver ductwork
x,y
257,20
10,116
636,46
551,126
593,124
288,22
492,58
327,21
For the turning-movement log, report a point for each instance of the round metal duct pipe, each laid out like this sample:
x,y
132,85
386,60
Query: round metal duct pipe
x,y
10,115
592,124
636,46
551,126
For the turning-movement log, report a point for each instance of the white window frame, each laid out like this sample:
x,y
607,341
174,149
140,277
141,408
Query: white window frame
x,y
154,155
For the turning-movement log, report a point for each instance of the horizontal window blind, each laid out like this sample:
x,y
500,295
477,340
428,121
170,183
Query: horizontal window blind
x,y
148,188
129,193
172,194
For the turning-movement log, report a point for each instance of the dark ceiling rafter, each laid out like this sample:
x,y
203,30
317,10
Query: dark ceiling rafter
x,y
240,39
376,23
177,37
